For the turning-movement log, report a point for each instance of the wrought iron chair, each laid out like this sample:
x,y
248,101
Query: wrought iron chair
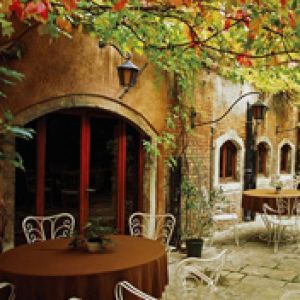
x,y
156,227
192,273
61,226
4,285
223,213
277,221
125,285
291,295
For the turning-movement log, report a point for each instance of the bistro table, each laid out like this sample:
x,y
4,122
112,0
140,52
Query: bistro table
x,y
253,200
51,270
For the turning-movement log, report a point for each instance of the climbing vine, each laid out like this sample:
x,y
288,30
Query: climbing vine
x,y
243,40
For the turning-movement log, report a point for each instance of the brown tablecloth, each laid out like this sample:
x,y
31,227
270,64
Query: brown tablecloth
x,y
50,270
253,200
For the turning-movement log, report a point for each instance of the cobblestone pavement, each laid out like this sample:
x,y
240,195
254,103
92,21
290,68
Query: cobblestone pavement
x,y
252,271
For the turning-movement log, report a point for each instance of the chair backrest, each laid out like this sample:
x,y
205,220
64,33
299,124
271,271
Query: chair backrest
x,y
60,226
200,270
288,206
291,295
155,227
125,285
4,285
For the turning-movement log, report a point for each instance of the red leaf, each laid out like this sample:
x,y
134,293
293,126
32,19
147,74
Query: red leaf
x,y
251,35
257,2
17,7
239,14
187,2
42,10
227,24
244,60
37,8
31,8
120,5
69,4
292,19
247,21
283,2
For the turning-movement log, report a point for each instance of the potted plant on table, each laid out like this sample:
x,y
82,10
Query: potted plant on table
x,y
277,184
94,236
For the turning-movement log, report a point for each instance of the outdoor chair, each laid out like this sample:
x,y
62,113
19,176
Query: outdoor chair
x,y
278,221
59,226
125,285
222,214
291,295
156,227
4,285
192,273
296,182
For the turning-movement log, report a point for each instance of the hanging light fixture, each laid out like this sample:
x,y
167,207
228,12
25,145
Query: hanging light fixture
x,y
128,73
259,110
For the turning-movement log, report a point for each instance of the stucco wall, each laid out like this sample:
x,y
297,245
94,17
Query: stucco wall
x,y
65,66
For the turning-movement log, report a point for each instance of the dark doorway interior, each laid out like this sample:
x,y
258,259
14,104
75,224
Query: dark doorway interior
x,y
64,152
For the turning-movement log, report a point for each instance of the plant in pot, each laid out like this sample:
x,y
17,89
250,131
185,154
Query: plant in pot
x,y
96,235
277,184
199,209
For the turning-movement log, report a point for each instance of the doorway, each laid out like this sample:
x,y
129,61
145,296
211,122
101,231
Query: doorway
x,y
85,162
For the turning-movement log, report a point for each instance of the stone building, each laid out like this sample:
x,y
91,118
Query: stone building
x,y
87,156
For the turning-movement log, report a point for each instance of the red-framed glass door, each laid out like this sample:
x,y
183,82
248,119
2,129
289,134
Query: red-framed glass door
x,y
86,163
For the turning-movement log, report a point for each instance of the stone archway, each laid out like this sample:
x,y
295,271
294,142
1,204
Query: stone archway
x,y
79,101
238,142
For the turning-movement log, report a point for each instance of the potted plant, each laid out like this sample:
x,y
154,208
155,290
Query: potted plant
x,y
95,235
198,208
277,184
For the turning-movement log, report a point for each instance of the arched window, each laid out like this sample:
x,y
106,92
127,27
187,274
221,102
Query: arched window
x,y
262,156
285,159
228,157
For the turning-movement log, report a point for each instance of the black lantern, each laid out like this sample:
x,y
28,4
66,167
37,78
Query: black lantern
x,y
128,73
258,110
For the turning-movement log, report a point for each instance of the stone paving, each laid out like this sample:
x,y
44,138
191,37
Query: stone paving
x,y
252,271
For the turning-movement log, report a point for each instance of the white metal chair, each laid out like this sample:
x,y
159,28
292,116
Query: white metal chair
x,y
60,226
277,221
4,285
156,227
291,295
222,213
193,272
125,285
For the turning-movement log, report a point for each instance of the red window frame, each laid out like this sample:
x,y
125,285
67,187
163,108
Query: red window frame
x,y
228,161
285,159
120,135
262,156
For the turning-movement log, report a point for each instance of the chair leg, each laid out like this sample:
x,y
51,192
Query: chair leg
x,y
236,235
277,236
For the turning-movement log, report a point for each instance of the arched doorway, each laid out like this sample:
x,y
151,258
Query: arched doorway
x,y
84,161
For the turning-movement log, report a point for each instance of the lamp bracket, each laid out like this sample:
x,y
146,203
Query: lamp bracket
x,y
126,89
193,114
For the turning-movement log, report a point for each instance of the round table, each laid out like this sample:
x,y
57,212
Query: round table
x,y
51,270
253,200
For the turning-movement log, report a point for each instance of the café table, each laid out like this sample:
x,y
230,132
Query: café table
x,y
254,199
51,270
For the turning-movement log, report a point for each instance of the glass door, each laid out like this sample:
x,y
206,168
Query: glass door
x,y
62,164
84,162
103,166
